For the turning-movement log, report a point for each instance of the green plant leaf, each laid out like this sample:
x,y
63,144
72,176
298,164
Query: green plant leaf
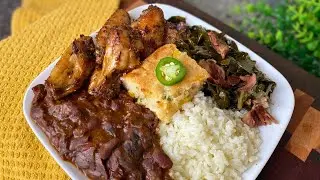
x,y
307,38
279,35
302,33
250,8
312,45
317,54
268,38
294,26
236,10
267,10
251,35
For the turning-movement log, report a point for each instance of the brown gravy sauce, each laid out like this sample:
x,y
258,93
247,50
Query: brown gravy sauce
x,y
105,138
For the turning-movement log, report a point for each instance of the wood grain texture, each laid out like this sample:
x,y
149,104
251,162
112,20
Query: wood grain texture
x,y
131,4
306,135
302,103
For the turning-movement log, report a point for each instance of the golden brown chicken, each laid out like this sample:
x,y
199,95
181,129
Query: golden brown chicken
x,y
118,49
118,19
151,26
120,46
75,65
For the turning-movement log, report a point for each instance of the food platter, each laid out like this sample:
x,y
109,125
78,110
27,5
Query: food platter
x,y
282,101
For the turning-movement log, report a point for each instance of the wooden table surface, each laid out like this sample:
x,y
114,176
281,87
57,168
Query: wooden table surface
x,y
297,155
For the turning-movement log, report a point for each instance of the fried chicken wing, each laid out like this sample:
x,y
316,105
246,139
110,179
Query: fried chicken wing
x,y
119,19
151,25
118,49
75,65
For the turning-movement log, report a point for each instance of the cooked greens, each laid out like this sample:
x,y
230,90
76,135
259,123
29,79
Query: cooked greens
x,y
240,83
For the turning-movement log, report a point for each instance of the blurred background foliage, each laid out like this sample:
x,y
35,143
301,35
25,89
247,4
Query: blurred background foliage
x,y
290,28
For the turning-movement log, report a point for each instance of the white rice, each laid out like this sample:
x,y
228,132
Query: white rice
x,y
205,142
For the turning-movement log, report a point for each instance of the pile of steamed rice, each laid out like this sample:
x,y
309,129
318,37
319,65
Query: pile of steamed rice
x,y
205,142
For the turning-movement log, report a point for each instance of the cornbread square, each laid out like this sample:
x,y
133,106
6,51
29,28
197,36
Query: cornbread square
x,y
164,101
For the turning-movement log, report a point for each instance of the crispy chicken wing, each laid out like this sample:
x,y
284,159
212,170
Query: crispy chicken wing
x,y
151,26
118,49
118,19
75,65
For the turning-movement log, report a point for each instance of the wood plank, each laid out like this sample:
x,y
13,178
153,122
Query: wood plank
x,y
302,103
284,166
318,145
131,4
306,135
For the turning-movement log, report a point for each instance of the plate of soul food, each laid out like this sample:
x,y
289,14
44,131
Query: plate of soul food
x,y
157,93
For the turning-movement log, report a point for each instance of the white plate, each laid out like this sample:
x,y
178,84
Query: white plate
x,y
281,107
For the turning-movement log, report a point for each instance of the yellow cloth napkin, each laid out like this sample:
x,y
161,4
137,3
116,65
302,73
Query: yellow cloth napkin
x,y
30,11
22,57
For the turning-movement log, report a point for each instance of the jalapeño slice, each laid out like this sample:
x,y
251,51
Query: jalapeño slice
x,y
170,71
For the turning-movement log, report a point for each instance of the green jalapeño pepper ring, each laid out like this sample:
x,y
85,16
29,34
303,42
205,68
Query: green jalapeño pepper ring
x,y
170,71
